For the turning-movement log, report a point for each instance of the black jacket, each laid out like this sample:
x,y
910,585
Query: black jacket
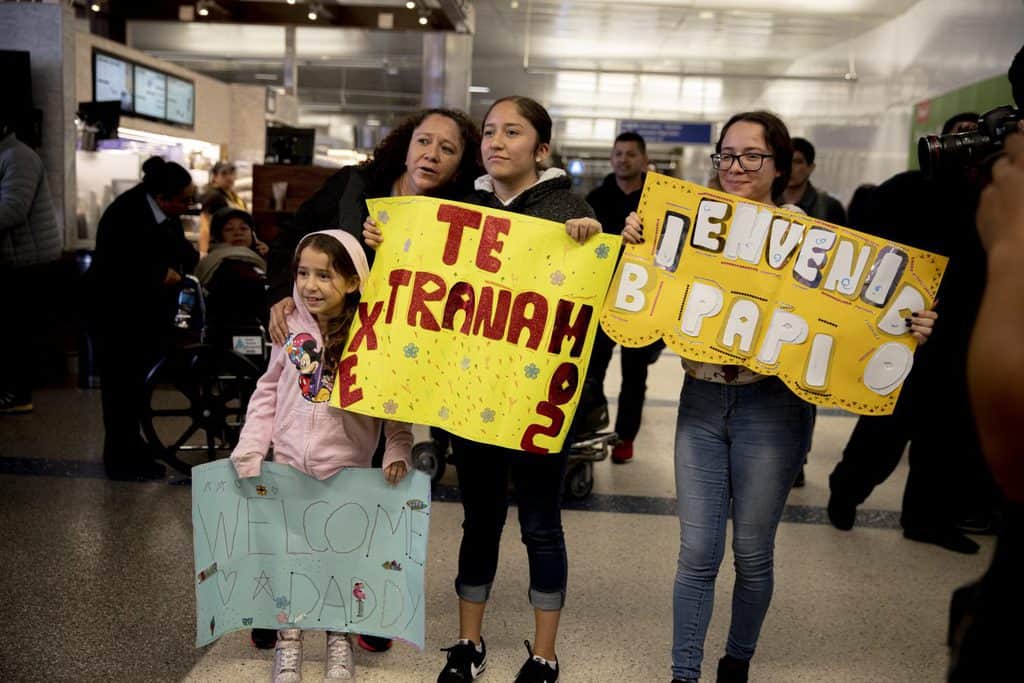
x,y
818,204
612,205
133,253
550,199
339,203
915,210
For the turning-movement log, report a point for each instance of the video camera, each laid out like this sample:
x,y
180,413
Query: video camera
x,y
940,154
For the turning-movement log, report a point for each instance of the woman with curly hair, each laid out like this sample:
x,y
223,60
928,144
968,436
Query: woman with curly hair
x,y
433,152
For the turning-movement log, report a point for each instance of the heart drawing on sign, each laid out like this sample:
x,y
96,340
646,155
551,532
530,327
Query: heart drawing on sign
x,y
223,581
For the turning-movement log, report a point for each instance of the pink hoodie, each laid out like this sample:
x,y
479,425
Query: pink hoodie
x,y
289,409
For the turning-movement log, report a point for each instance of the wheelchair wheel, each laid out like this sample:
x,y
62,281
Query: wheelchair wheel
x,y
198,388
579,480
429,458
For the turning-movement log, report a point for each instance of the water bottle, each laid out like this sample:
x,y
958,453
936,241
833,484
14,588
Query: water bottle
x,y
186,302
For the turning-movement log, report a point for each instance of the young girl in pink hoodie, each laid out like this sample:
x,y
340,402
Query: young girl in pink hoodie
x,y
289,408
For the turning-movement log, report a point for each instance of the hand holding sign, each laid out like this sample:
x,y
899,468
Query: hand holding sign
x,y
724,280
285,550
478,321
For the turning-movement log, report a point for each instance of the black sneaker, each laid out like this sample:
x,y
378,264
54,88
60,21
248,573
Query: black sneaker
x,y
732,670
465,662
801,479
264,638
841,512
11,404
536,669
948,538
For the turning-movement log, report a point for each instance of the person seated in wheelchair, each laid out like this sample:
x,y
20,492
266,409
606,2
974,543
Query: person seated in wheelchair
x,y
233,274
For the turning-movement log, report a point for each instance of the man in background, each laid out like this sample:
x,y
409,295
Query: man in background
x,y
612,201
948,491
31,242
800,191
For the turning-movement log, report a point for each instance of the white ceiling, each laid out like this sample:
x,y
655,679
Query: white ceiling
x,y
659,58
629,58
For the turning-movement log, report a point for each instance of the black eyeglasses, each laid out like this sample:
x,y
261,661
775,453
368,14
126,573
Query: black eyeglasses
x,y
749,161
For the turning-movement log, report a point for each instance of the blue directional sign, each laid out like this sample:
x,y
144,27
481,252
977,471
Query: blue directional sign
x,y
669,131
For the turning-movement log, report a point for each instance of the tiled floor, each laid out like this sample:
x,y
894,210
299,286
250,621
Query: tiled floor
x,y
97,574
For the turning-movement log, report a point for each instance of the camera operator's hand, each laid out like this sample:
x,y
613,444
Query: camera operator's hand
x,y
1001,210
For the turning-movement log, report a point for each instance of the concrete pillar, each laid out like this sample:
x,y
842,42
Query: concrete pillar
x,y
447,69
291,65
47,32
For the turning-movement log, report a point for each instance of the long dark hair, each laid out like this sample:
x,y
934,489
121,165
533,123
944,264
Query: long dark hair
x,y
341,263
388,162
776,136
164,178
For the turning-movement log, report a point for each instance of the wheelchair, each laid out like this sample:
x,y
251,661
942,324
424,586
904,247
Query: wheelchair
x,y
203,384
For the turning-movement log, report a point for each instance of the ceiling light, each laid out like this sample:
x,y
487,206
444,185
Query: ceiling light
x,y
423,21
205,8
481,89
514,4
290,2
95,7
410,5
707,14
318,11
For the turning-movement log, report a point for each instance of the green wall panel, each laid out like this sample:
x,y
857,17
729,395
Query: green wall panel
x,y
978,97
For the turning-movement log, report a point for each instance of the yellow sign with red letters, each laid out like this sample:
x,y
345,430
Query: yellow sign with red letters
x,y
729,281
475,320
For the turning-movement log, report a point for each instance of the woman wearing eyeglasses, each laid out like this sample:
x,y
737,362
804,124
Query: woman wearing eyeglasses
x,y
740,442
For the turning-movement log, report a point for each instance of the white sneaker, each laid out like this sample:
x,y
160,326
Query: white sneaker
x,y
288,656
340,663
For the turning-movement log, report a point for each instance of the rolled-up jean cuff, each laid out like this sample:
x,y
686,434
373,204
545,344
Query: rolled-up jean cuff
x,y
547,601
473,593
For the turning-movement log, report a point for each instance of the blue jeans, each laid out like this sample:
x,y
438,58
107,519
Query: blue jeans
x,y
741,445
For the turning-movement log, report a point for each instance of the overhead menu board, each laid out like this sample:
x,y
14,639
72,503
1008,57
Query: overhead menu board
x,y
143,91
180,101
150,92
112,80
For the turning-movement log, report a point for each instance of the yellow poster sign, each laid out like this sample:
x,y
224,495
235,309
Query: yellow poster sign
x,y
475,320
729,281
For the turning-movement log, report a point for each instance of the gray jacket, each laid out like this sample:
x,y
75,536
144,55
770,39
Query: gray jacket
x,y
29,232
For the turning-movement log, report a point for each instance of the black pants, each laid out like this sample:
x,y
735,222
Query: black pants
x,y
125,359
944,455
484,472
27,348
634,379
984,624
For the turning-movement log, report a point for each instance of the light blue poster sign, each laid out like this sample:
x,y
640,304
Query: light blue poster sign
x,y
285,550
